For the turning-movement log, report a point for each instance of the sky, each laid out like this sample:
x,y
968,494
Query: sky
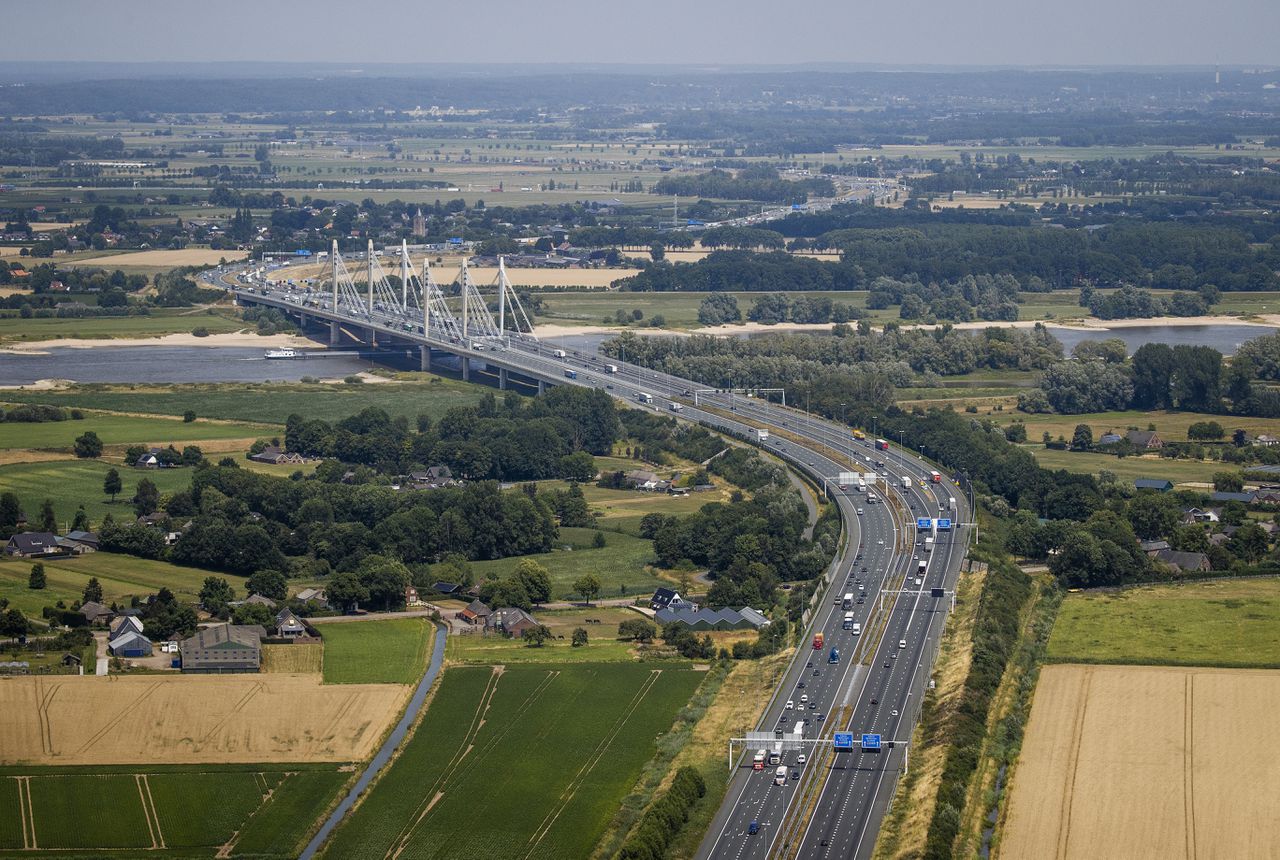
x,y
720,32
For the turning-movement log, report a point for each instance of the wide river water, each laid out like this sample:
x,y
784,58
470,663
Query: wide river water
x,y
156,364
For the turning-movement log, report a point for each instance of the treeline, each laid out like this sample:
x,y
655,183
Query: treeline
x,y
663,821
878,360
36,413
988,297
772,308
744,271
995,633
519,439
758,182
1190,378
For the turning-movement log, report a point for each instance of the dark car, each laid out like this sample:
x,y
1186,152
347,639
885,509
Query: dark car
x,y
800,685
795,774
753,828
815,673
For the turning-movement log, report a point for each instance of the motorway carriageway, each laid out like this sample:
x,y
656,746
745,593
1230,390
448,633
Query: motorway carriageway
x,y
857,789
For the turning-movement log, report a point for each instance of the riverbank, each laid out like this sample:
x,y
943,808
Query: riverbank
x,y
243,338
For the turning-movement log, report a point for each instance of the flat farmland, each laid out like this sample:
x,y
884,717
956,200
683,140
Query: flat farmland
x,y
258,811
517,762
71,483
164,259
1129,468
121,577
157,324
622,564
166,719
392,651
1147,763
1227,623
123,430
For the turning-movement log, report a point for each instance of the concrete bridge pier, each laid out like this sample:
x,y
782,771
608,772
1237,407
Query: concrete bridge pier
x,y
502,379
542,386
465,363
373,336
333,333
424,358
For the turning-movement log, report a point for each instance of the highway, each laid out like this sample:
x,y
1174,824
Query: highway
x,y
878,692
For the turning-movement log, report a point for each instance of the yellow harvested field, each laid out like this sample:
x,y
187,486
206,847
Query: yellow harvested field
x,y
160,259
1141,762
182,719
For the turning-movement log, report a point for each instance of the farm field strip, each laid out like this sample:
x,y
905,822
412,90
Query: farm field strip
x,y
517,761
189,719
152,811
1151,762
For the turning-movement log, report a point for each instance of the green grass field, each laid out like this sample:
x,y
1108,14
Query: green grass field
x,y
558,748
1226,623
621,563
162,322
1172,426
1130,468
71,483
121,577
602,642
121,430
244,811
623,509
393,651
263,402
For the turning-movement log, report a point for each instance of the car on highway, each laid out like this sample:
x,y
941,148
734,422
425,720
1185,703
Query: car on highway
x,y
804,698
800,759
902,643
790,705
753,828
795,774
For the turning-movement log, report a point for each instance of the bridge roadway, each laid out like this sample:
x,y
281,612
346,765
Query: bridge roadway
x,y
883,688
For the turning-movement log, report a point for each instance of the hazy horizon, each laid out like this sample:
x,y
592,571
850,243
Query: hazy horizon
x,y
910,34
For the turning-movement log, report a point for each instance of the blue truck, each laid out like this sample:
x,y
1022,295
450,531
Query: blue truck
x,y
834,656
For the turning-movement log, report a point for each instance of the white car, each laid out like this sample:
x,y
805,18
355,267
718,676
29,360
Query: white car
x,y
902,643
804,698
801,759
790,705
859,511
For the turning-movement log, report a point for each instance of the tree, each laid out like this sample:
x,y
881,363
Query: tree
x,y
1082,438
1205,431
537,634
192,455
88,445
579,637
1228,482
1152,370
578,466
146,498
37,580
14,625
268,583
598,540
189,416
588,586
384,579
111,484
345,591
215,594
535,579
48,519
657,252
92,591
1249,542
10,513
719,308
253,613
80,522
637,629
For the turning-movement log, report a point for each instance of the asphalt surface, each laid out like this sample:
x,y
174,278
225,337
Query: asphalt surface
x,y
885,693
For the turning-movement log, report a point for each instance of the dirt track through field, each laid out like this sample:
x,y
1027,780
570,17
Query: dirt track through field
x,y
186,719
1148,763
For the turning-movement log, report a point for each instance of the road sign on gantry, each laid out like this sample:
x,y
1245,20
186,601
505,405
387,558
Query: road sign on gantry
x,y
923,523
843,741
944,524
847,479
871,742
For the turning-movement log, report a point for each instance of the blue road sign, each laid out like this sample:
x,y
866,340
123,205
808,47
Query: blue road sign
x,y
843,741
944,525
871,742
923,523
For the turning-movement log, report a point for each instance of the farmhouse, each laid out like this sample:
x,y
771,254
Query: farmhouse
x,y
223,648
641,479
149,460
81,541
34,545
1109,438
445,588
1158,484
1147,440
288,626
669,598
1190,516
1247,498
475,613
95,613
276,455
1183,560
130,643
510,621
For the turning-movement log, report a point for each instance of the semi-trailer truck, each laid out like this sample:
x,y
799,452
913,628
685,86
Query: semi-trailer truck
x,y
847,602
560,353
928,544
780,775
611,368
818,639
775,755
571,374
935,477
757,762
762,435
924,565
906,482
882,445
644,397
848,621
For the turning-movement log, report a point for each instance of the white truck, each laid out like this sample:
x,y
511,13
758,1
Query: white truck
x,y
560,353
775,755
611,368
928,544
762,435
676,407
644,397
952,501
871,498
862,486
906,482
780,775
847,624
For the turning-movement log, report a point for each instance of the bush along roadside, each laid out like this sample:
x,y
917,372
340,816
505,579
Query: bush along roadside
x,y
1006,738
995,635
664,820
